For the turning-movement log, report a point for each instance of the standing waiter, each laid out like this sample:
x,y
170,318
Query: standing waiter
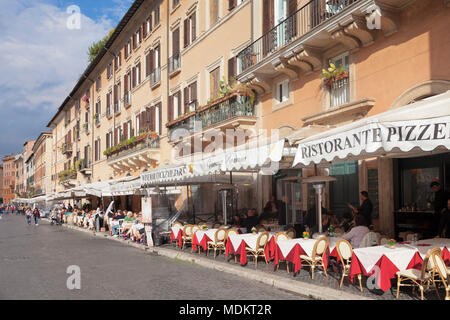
x,y
440,204
365,209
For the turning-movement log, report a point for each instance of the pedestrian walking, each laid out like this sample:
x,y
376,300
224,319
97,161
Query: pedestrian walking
x,y
36,215
28,215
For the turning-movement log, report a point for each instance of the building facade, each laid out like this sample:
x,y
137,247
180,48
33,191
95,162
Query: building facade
x,y
9,178
42,163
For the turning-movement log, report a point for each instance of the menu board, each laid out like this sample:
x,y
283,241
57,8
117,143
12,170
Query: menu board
x,y
147,210
372,176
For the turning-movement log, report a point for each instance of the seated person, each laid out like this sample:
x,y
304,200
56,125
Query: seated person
x,y
356,234
236,222
128,222
347,222
251,221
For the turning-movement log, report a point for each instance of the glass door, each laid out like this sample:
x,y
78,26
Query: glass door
x,y
280,7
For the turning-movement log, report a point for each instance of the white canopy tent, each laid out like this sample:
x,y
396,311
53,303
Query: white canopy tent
x,y
416,128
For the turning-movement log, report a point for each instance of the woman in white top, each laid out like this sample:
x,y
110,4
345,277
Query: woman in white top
x,y
357,233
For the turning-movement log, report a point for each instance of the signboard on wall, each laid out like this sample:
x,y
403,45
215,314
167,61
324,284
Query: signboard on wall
x,y
146,209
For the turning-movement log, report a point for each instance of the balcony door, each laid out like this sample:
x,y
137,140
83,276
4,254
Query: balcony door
x,y
280,8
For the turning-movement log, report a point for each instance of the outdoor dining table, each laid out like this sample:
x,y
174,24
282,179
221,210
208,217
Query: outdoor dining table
x,y
383,262
176,233
237,244
291,250
201,238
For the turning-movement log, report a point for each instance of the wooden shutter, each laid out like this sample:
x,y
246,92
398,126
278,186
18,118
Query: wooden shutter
x,y
231,4
268,24
125,131
170,113
186,99
144,29
134,77
194,93
159,105
180,112
125,50
152,113
147,65
194,26
231,68
292,24
125,83
186,32
176,41
138,67
116,137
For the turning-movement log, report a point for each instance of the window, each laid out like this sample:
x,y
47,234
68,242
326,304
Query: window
x,y
98,109
127,89
190,97
157,15
127,49
137,38
147,26
138,124
117,97
136,75
109,140
213,12
98,83
282,91
174,106
118,61
340,90
175,3
190,26
234,3
108,104
97,145
109,71
214,81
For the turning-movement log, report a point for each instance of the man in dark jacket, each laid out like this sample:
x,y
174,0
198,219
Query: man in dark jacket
x,y
440,203
444,223
366,208
251,220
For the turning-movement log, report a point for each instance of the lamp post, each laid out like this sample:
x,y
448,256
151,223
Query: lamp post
x,y
319,188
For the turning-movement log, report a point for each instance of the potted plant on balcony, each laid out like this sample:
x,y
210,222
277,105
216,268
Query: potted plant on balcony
x,y
85,126
333,74
152,135
96,117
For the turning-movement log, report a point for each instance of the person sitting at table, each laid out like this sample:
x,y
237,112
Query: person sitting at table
x,y
251,220
128,220
271,209
357,233
347,222
311,219
236,222
444,223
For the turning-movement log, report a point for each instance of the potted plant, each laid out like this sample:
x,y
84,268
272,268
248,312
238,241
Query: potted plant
x,y
391,243
204,227
333,74
254,231
305,235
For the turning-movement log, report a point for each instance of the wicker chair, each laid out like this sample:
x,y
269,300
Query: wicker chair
x,y
318,256
345,252
417,278
282,236
259,228
187,235
259,251
195,228
291,233
383,240
231,231
219,241
441,270
177,224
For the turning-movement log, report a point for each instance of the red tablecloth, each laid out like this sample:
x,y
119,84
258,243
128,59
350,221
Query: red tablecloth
x,y
242,251
179,238
387,270
294,257
203,243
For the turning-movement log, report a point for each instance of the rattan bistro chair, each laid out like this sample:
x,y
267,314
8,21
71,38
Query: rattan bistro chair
x,y
177,224
441,270
231,231
417,278
219,241
187,235
318,256
259,228
259,251
282,236
345,252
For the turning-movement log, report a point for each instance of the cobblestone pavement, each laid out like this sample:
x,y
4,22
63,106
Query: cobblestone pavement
x,y
332,281
34,261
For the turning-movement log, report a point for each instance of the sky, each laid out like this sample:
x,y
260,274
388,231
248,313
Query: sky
x,y
43,52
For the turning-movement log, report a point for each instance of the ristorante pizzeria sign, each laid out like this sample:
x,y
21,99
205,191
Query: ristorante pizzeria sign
x,y
427,134
164,175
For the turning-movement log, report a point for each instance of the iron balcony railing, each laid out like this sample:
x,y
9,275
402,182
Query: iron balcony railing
x,y
147,143
155,76
296,25
234,106
340,92
67,148
174,62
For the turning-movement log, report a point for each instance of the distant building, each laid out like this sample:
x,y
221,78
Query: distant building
x,y
9,177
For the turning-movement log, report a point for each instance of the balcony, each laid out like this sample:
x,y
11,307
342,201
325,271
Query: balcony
x,y
67,149
66,177
155,77
135,153
230,111
127,99
174,64
84,166
296,44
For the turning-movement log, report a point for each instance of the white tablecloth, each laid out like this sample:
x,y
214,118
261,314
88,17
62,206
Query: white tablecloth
x,y
175,230
307,245
210,233
423,246
249,238
400,256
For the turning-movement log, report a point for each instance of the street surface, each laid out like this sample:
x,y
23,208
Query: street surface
x,y
34,262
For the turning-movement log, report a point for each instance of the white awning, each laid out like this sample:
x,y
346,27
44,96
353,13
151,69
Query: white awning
x,y
123,187
423,125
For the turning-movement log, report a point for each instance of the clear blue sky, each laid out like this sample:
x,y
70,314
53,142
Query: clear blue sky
x,y
41,60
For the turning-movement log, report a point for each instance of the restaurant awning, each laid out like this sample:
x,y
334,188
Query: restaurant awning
x,y
421,126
